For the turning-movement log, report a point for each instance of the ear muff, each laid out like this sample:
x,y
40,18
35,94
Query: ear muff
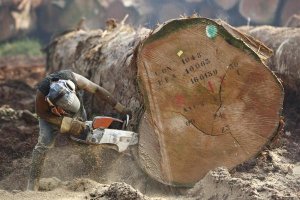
x,y
70,85
62,94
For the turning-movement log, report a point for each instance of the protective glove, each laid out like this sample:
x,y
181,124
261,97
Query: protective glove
x,y
72,126
123,110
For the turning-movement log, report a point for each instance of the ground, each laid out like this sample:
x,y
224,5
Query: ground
x,y
273,174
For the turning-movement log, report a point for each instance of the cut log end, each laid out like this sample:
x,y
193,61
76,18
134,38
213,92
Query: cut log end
x,y
209,101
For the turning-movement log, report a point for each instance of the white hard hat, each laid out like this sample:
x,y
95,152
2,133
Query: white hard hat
x,y
62,94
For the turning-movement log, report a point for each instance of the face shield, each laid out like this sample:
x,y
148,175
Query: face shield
x,y
62,94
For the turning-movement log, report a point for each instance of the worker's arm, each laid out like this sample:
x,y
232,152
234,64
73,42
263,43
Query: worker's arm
x,y
65,124
42,110
87,85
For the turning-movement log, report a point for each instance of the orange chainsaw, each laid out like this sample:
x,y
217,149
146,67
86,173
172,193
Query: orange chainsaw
x,y
99,131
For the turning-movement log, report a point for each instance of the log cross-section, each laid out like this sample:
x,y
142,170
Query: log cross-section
x,y
210,101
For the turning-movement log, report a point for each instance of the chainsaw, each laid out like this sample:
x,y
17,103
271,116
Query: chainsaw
x,y
99,131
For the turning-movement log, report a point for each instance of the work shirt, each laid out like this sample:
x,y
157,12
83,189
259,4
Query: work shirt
x,y
44,87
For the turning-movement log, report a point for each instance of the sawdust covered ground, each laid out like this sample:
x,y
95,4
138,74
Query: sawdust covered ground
x,y
100,173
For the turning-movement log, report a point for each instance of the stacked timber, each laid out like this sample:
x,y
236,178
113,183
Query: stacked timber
x,y
199,90
55,16
17,18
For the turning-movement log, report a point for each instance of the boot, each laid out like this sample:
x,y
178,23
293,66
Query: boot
x,y
37,164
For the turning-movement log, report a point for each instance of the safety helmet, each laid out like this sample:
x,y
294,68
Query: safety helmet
x,y
62,94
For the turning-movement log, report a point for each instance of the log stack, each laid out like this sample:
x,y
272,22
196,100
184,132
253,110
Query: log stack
x,y
55,16
17,18
199,90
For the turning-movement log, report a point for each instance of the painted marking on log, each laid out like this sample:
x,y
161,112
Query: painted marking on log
x,y
187,59
179,53
192,68
179,99
189,122
233,65
211,87
226,129
190,108
211,31
203,76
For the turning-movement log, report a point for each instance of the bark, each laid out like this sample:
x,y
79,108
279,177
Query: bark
x,y
285,42
259,11
201,98
293,21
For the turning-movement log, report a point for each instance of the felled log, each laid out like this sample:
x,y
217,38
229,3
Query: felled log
x,y
290,8
226,4
259,11
16,18
285,43
200,93
293,21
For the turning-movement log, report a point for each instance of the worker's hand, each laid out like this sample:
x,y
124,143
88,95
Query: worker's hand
x,y
72,126
127,111
123,110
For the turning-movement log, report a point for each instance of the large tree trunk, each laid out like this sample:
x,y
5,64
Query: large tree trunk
x,y
200,93
285,44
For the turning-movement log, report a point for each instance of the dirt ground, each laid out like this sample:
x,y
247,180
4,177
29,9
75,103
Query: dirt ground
x,y
75,171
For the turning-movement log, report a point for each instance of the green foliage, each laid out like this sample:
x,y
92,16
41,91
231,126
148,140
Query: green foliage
x,y
26,47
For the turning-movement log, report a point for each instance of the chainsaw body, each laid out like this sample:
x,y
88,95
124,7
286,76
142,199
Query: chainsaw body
x,y
99,132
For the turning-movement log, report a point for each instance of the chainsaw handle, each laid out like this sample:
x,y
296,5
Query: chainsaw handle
x,y
126,122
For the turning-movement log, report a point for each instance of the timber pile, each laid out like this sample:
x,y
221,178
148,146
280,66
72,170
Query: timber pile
x,y
54,16
199,90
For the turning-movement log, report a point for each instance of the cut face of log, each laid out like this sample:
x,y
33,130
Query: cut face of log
x,y
209,101
259,11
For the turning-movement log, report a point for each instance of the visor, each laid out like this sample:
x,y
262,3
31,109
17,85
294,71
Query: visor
x,y
60,94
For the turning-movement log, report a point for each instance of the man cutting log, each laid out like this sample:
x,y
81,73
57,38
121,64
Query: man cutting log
x,y
60,109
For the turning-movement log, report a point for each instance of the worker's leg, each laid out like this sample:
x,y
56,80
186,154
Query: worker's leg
x,y
46,140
